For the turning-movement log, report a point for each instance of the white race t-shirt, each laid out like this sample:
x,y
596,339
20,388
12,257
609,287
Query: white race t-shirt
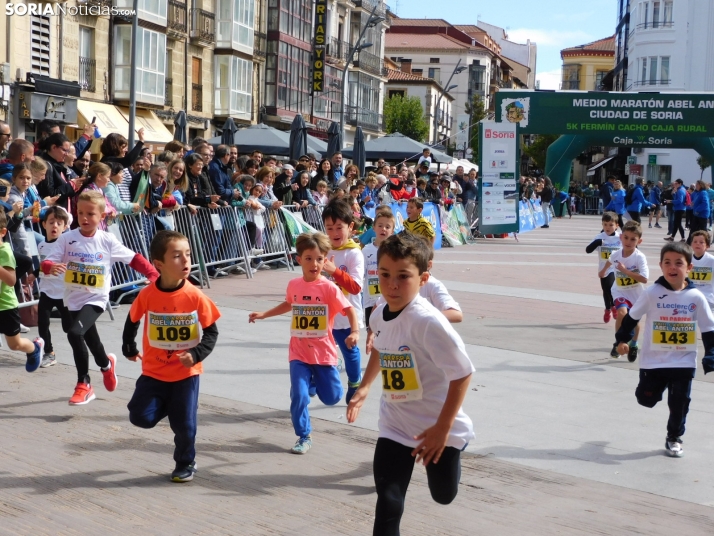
x,y
701,276
672,318
420,353
89,266
352,262
610,244
370,289
624,286
436,294
51,285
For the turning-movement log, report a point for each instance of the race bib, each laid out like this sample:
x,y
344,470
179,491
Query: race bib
x,y
309,321
606,251
85,277
173,331
624,281
373,286
701,276
674,336
400,377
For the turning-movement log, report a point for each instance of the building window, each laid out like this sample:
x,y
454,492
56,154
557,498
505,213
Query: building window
x,y
40,35
327,103
658,73
435,74
234,84
235,20
397,93
149,10
653,70
291,17
433,60
664,70
655,15
87,64
644,70
150,65
571,76
599,75
363,101
667,20
418,72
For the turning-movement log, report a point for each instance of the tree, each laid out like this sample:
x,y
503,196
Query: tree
x,y
477,110
539,149
703,164
406,116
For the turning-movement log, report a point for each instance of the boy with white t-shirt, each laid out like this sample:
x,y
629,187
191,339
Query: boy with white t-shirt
x,y
703,266
631,273
606,243
674,309
55,220
425,372
345,267
85,257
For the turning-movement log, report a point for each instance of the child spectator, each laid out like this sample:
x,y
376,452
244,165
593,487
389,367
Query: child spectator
x,y
85,256
425,372
171,362
111,191
320,196
416,223
674,308
257,210
314,302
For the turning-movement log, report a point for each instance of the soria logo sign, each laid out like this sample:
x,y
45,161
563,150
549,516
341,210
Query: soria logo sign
x,y
497,134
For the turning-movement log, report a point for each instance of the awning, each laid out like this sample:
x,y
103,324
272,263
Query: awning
x,y
591,170
108,119
154,129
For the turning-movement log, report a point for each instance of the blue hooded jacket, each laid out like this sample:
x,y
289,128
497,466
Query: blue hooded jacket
x,y
638,200
700,204
617,202
679,199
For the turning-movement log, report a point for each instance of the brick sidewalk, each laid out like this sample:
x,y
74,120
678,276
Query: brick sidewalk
x,y
85,470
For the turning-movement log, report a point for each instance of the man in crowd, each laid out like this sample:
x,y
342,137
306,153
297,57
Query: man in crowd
x,y
81,165
220,174
5,138
337,165
47,127
232,162
19,152
606,190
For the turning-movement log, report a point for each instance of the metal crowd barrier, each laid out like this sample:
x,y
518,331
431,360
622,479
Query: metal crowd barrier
x,y
591,205
272,245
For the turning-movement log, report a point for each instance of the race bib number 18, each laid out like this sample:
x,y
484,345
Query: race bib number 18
x,y
309,321
86,277
173,331
400,377
674,336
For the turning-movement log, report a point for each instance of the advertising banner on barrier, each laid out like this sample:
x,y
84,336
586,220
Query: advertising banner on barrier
x,y
526,222
400,214
538,216
296,225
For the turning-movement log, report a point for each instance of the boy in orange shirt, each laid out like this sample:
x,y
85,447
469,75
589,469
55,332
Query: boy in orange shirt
x,y
314,302
174,313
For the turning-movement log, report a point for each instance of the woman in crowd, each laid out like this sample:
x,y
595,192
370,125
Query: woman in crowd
x,y
198,192
546,198
324,173
55,148
617,202
349,178
115,148
111,191
302,196
177,179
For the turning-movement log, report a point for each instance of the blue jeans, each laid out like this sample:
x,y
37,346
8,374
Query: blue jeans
x,y
329,390
352,356
155,399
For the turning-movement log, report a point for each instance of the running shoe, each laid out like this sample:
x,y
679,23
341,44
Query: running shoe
x,y
608,316
302,445
632,354
24,329
613,352
110,376
614,312
184,474
669,238
650,226
257,251
83,394
48,360
351,390
673,447
34,360
658,226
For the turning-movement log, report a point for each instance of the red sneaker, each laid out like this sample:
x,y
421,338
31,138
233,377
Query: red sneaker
x,y
110,376
83,394
614,313
608,315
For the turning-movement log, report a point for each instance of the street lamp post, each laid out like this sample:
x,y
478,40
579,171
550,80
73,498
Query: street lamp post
x,y
359,46
458,69
132,78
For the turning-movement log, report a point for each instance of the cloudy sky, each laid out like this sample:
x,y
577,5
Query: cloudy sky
x,y
551,24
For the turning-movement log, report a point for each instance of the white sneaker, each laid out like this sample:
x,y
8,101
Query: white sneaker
x,y
238,269
24,329
257,251
674,448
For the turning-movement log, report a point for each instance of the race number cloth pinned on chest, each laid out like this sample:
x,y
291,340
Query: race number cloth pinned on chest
x,y
85,276
173,331
373,285
309,321
400,377
606,251
624,280
674,336
701,276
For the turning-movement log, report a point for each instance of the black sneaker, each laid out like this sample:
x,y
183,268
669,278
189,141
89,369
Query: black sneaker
x,y
184,474
613,352
632,354
658,226
673,447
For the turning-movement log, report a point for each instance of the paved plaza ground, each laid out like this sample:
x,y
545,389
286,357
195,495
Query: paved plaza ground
x,y
561,445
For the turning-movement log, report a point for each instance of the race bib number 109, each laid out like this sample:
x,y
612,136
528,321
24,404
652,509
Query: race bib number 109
x,y
173,331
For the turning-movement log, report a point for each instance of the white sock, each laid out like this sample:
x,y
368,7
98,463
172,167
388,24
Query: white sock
x,y
108,367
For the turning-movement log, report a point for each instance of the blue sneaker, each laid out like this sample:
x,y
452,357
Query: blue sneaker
x,y
35,358
351,390
312,390
302,445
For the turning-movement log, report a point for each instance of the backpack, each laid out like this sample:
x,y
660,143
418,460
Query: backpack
x,y
687,199
628,196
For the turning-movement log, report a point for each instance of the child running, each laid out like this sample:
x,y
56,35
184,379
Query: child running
x,y
383,227
85,256
9,311
416,223
702,266
425,372
630,278
607,242
314,302
345,267
174,314
55,221
674,308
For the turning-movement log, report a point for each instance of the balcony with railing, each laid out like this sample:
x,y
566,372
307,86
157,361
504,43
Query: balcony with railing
x,y
197,97
357,116
337,49
87,74
368,5
176,23
169,92
203,27
260,45
571,84
644,83
370,63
